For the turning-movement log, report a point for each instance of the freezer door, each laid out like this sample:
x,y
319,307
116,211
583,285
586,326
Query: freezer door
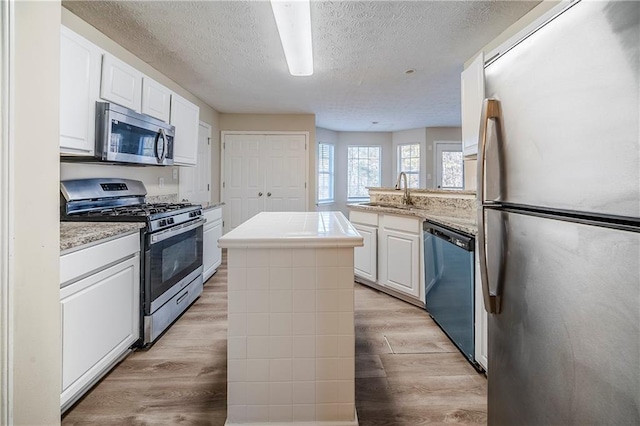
x,y
565,350
570,104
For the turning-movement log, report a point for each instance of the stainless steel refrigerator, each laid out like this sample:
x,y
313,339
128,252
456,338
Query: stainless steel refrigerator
x,y
559,222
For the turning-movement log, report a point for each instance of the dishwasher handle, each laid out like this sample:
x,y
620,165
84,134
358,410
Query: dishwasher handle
x,y
463,241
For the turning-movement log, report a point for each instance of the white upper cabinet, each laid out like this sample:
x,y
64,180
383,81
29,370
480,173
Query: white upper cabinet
x,y
79,90
156,99
121,83
472,86
185,116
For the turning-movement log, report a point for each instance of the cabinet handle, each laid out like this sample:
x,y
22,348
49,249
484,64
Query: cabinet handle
x,y
259,194
268,194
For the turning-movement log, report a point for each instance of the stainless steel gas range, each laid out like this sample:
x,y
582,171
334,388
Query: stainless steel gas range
x,y
171,269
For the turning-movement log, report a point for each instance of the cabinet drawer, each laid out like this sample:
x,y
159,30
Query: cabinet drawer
x,y
363,218
401,223
79,263
213,215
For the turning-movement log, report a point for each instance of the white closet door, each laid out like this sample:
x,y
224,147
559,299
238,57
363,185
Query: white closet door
x,y
243,178
285,157
263,172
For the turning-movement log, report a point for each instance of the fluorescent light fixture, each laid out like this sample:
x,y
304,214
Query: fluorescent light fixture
x,y
293,19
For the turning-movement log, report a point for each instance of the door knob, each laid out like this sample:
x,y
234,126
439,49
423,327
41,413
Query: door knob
x,y
268,194
259,194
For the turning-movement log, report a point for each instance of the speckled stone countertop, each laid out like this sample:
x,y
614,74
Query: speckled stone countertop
x,y
211,206
75,235
426,191
465,223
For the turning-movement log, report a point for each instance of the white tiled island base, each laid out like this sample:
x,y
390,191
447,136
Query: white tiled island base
x,y
291,334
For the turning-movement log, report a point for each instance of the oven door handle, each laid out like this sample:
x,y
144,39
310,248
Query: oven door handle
x,y
172,232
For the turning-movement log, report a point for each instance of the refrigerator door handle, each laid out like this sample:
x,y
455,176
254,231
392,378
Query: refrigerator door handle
x,y
490,111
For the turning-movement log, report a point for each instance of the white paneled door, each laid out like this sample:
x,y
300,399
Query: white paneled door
x,y
263,173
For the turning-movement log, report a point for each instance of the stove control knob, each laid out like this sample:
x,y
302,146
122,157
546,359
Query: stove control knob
x,y
192,214
170,221
199,213
162,223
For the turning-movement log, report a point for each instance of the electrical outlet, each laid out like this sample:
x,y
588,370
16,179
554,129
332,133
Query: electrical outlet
x,y
161,182
175,173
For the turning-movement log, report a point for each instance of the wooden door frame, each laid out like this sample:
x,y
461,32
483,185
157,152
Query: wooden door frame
x,y
223,135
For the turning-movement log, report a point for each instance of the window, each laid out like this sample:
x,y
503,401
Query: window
x,y
409,162
363,170
449,166
325,173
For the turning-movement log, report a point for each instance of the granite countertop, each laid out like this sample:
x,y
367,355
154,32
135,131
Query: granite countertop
x,y
426,191
211,206
75,235
455,221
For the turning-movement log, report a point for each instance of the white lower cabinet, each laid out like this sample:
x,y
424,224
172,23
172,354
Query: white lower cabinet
x,y
211,253
365,258
391,257
100,312
399,256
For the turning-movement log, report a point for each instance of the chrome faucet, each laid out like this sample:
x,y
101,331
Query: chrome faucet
x,y
406,198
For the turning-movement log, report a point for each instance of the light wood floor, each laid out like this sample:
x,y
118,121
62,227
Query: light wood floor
x,y
407,371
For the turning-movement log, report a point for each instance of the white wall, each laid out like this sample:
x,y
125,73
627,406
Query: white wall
x,y
34,227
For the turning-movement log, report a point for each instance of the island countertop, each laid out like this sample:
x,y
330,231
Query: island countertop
x,y
293,229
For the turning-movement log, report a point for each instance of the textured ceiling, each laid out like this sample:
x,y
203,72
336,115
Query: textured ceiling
x,y
229,55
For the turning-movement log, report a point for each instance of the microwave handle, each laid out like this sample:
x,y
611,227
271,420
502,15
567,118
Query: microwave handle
x,y
162,136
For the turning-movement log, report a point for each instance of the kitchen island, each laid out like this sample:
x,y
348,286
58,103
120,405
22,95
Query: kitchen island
x,y
290,319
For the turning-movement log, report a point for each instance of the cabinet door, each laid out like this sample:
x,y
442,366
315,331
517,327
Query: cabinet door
x,y
195,182
365,258
79,90
472,87
185,116
100,321
211,253
217,251
401,258
121,83
156,99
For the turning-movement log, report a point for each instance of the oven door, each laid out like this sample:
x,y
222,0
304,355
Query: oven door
x,y
173,258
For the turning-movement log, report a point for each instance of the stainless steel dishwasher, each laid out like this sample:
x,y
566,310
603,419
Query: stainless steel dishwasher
x,y
449,281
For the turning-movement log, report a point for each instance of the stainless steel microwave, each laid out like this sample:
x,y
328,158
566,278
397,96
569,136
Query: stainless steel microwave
x,y
125,136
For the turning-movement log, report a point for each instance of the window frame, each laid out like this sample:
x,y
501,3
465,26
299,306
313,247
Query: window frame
x,y
330,173
379,148
410,173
